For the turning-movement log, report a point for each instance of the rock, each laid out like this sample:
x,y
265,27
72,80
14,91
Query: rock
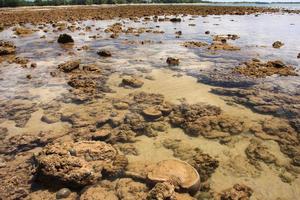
x,y
132,82
7,47
298,55
63,193
69,66
128,189
256,151
194,44
84,166
152,113
223,46
98,192
3,133
104,53
277,44
238,192
175,19
176,171
33,65
172,61
258,69
65,38
28,76
221,38
161,191
207,32
101,134
22,31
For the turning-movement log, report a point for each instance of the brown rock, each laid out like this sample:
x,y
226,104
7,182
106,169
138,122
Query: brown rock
x,y
69,66
177,172
277,44
65,38
7,47
172,61
104,53
132,82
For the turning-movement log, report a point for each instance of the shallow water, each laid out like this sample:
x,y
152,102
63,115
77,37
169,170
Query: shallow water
x,y
257,33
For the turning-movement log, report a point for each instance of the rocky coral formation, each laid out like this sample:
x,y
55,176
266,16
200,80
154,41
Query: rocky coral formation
x,y
98,192
7,47
22,31
264,101
78,164
256,68
176,172
205,120
202,162
69,66
162,191
277,44
223,38
194,44
223,46
256,151
237,192
65,38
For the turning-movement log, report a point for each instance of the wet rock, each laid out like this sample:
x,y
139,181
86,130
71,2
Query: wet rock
x,y
258,69
7,47
51,117
69,66
33,65
178,172
207,32
132,82
221,38
63,193
22,31
128,189
65,38
98,192
175,19
152,113
237,192
194,44
101,135
161,191
256,151
116,28
128,149
277,44
24,142
3,133
223,46
92,158
104,53
298,55
172,61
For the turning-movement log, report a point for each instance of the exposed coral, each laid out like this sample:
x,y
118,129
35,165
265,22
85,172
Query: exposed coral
x,y
65,38
256,68
237,192
7,47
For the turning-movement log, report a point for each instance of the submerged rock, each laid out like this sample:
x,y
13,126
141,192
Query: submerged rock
x,y
172,61
63,193
237,192
176,172
277,44
22,31
65,38
152,113
104,53
223,46
7,47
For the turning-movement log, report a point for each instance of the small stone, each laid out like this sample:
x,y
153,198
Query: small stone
x,y
132,82
172,61
33,65
277,44
207,32
65,38
63,193
28,76
175,19
298,55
